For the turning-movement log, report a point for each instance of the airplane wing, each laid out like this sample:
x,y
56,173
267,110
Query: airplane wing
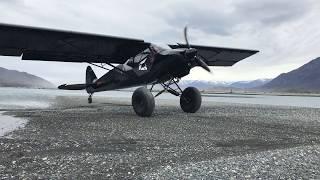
x,y
219,56
55,45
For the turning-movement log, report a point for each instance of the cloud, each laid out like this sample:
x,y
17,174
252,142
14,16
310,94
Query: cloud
x,y
272,12
222,18
203,19
203,15
12,2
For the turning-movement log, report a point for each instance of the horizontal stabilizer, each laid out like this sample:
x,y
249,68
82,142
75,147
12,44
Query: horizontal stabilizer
x,y
72,86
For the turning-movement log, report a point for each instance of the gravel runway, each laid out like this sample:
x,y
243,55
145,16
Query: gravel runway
x,y
74,140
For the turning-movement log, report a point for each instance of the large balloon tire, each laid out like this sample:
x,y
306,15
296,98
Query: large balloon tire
x,y
190,100
143,102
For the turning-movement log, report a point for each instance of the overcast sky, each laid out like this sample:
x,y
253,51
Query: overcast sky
x,y
286,32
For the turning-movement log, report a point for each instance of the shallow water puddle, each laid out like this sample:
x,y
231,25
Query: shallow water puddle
x,y
9,123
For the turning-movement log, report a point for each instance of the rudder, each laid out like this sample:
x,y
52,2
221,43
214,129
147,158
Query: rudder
x,y
90,78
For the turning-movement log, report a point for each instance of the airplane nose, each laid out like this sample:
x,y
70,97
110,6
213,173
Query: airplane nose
x,y
194,60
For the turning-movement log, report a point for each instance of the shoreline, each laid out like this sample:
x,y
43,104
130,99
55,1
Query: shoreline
x,y
204,92
264,94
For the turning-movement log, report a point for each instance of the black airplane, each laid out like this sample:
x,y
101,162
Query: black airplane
x,y
129,62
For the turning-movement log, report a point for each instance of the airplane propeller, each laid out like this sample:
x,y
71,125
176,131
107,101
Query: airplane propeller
x,y
199,60
185,33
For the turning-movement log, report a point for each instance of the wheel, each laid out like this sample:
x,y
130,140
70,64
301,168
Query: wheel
x,y
90,99
190,100
143,102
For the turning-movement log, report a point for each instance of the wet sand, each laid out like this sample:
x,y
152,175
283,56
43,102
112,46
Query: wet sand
x,y
73,140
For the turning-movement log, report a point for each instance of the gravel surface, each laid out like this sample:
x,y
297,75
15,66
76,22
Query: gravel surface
x,y
73,140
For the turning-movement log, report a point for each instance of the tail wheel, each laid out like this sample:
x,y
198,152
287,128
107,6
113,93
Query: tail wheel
x,y
190,100
90,99
143,102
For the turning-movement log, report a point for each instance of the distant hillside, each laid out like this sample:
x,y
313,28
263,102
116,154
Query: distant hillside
x,y
203,85
12,78
221,85
304,79
250,84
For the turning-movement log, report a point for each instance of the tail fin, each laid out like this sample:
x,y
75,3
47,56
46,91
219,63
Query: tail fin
x,y
90,78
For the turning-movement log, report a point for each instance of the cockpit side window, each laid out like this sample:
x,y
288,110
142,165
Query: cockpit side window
x,y
141,61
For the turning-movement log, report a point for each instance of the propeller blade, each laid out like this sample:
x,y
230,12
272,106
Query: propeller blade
x,y
192,52
203,64
185,32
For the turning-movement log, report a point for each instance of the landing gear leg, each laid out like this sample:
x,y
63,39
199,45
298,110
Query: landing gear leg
x,y
90,99
190,98
167,88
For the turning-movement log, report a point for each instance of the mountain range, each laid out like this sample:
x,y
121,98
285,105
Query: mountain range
x,y
13,78
222,85
304,79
